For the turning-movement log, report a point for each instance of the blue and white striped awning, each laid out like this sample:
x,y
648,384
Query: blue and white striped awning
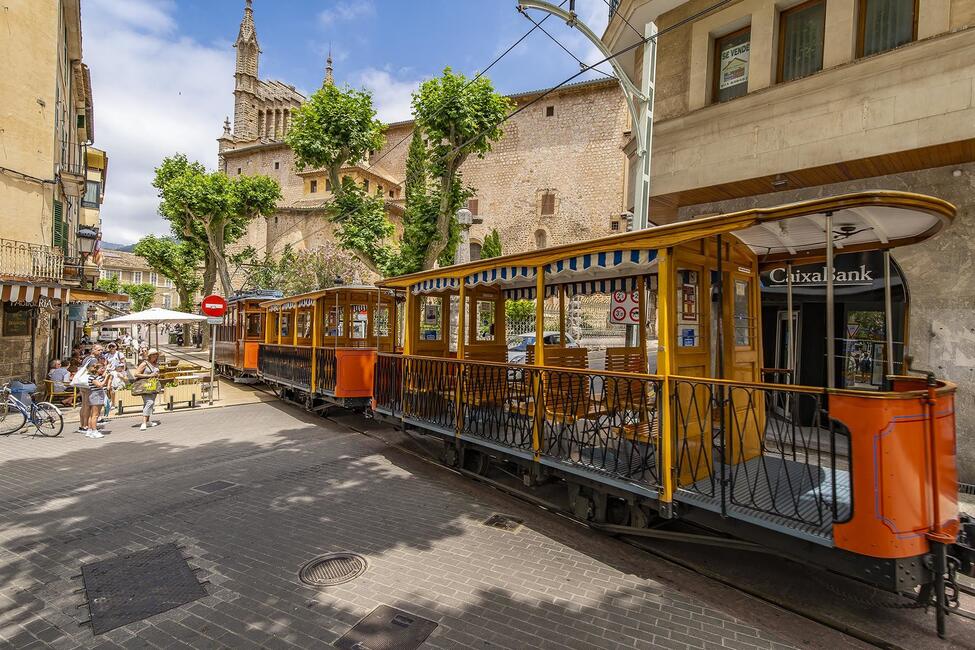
x,y
434,285
576,288
288,305
593,264
306,302
505,276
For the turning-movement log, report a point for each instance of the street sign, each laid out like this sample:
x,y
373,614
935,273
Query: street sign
x,y
213,306
215,320
625,308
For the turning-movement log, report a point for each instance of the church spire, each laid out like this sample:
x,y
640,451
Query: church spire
x,y
329,76
246,76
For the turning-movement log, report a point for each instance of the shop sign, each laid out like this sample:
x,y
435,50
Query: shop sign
x,y
42,302
76,312
805,276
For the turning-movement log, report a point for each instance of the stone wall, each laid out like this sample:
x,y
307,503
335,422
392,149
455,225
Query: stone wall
x,y
940,276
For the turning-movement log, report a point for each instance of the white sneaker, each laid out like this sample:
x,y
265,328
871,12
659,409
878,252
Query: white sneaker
x,y
153,424
143,427
94,434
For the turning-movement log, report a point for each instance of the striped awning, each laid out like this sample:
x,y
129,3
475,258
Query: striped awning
x,y
306,302
593,264
505,276
585,288
288,305
433,285
274,308
31,294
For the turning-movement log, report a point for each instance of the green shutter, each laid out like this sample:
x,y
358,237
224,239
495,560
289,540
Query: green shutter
x,y
60,227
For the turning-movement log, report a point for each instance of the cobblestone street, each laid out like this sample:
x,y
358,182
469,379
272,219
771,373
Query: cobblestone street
x,y
304,486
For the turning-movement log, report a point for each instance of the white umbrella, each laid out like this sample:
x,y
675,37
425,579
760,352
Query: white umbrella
x,y
155,316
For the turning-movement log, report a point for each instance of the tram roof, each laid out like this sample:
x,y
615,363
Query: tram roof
x,y
312,295
872,220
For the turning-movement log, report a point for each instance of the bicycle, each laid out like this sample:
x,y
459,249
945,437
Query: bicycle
x,y
45,416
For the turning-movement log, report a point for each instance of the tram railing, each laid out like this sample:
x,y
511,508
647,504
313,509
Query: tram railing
x,y
764,449
285,363
325,370
388,383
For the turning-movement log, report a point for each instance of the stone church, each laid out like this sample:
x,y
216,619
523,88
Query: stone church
x,y
557,175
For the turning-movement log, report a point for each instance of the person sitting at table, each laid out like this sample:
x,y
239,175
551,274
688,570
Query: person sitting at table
x,y
60,377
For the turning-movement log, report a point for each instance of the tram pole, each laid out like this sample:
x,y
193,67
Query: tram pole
x,y
213,358
830,307
790,348
888,316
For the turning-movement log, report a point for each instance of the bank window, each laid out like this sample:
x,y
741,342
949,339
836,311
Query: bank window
x,y
381,321
801,31
743,314
886,24
431,317
485,320
360,321
253,326
731,65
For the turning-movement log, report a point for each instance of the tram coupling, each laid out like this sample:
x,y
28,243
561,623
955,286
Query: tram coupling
x,y
964,547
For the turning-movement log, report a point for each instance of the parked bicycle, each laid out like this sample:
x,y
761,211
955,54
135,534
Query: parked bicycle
x,y
14,415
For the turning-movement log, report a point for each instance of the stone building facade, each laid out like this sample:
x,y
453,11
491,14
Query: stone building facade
x,y
884,98
556,176
129,268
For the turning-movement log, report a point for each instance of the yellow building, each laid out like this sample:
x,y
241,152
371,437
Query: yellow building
x,y
46,118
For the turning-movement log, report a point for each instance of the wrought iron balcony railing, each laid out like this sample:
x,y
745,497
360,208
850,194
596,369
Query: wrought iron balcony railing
x,y
31,261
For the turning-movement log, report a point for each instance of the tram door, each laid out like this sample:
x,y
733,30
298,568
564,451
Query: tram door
x,y
745,419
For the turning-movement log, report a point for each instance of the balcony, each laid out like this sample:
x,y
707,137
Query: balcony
x,y
31,261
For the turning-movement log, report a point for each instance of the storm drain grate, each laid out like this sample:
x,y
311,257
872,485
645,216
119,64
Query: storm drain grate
x,y
129,588
387,628
333,569
214,486
966,488
504,522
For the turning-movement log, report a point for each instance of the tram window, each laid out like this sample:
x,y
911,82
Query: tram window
x,y
253,326
303,325
285,325
335,324
431,318
360,321
381,321
485,320
743,318
688,298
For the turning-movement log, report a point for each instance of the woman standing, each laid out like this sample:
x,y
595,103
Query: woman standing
x,y
148,369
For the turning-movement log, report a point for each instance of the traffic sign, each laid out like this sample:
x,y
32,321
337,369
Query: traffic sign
x,y
213,306
625,308
215,320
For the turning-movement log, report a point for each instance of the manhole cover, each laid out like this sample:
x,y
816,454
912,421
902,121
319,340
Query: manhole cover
x,y
504,522
387,628
215,486
333,569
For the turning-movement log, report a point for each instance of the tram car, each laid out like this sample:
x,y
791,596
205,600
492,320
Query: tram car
x,y
320,348
240,334
694,429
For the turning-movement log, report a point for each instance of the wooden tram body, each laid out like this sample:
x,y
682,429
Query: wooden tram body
x,y
240,334
321,347
862,483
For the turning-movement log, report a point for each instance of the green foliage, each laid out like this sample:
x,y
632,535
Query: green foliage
x,y
334,127
140,295
111,285
492,245
296,272
420,214
458,118
363,226
210,208
519,309
176,260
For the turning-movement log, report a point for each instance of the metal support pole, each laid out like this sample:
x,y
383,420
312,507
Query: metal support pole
x,y
213,359
790,347
888,316
830,307
648,77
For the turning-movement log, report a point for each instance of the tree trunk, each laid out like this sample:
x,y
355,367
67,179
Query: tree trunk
x,y
215,237
184,305
209,274
442,231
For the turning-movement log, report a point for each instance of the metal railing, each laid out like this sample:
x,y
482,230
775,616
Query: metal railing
x,y
285,363
388,383
767,449
31,261
325,370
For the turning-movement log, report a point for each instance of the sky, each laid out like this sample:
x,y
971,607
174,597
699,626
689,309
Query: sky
x,y
162,70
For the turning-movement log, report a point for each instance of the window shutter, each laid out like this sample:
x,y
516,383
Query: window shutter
x,y
60,239
548,204
472,206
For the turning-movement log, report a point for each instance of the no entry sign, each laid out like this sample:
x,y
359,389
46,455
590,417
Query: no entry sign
x,y
213,306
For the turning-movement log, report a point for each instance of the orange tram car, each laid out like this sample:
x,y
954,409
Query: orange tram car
x,y
859,482
240,334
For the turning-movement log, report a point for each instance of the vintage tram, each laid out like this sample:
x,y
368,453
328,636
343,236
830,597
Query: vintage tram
x,y
695,429
238,337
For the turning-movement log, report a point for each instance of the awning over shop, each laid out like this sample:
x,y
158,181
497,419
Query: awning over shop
x,y
93,295
25,292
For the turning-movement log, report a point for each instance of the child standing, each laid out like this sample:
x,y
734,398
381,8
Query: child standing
x,y
98,380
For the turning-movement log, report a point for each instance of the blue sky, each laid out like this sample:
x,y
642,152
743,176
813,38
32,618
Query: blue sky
x,y
162,70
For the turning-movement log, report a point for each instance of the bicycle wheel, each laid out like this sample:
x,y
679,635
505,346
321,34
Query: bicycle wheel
x,y
11,418
47,419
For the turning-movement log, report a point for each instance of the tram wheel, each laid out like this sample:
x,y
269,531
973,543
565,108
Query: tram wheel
x,y
476,462
449,453
617,511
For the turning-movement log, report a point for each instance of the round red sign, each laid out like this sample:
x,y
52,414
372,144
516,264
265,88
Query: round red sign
x,y
213,306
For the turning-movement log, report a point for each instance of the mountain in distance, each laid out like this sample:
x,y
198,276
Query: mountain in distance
x,y
125,248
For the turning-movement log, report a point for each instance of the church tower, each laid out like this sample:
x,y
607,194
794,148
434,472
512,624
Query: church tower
x,y
245,78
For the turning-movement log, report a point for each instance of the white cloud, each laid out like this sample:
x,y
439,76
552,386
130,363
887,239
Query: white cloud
x,y
595,14
346,10
390,95
155,94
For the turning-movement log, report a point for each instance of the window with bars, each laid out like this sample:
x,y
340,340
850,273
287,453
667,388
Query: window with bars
x,y
801,32
886,24
548,204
